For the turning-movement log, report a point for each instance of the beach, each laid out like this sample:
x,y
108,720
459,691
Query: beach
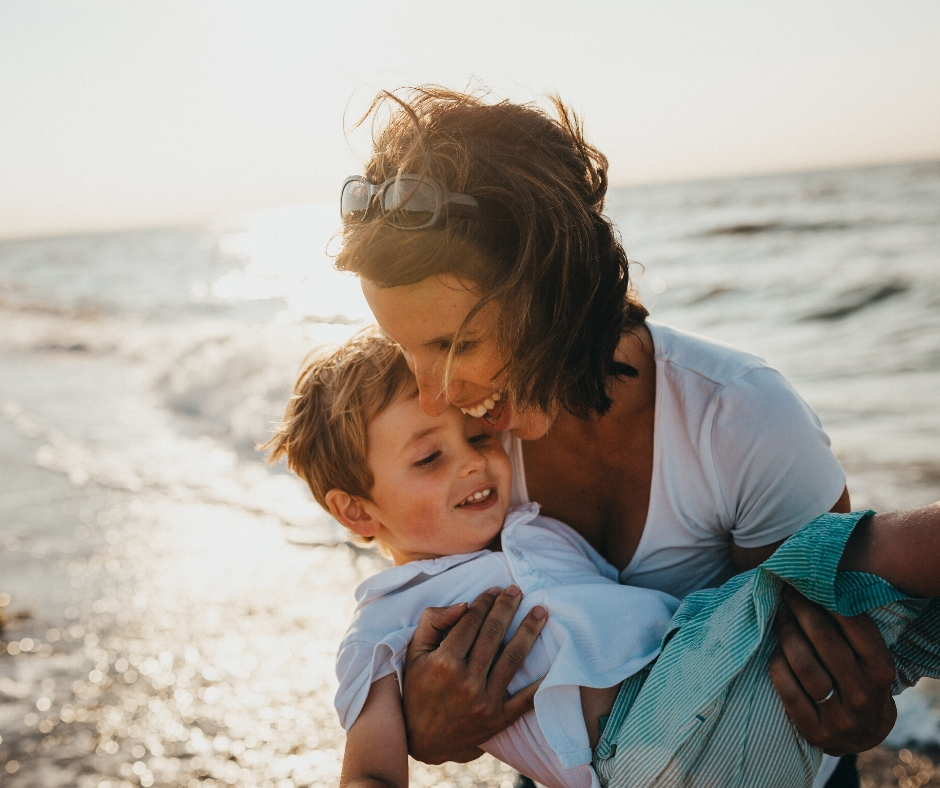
x,y
171,605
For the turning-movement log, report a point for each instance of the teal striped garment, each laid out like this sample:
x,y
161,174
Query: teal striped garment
x,y
705,714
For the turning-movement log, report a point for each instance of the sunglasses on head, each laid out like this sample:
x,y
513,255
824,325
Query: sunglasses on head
x,y
409,202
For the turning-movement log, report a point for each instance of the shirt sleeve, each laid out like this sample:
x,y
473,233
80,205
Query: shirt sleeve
x,y
773,461
360,664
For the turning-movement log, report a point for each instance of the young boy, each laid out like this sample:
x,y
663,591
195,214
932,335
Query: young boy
x,y
687,708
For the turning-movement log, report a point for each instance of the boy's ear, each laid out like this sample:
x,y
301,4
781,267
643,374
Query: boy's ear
x,y
351,513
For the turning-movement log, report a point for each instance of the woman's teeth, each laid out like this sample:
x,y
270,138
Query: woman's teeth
x,y
480,410
477,497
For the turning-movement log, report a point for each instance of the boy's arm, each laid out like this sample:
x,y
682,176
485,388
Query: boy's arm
x,y
376,748
900,547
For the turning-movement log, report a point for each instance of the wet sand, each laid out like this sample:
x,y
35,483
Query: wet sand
x,y
883,767
157,641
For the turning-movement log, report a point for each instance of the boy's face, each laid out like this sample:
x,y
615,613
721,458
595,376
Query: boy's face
x,y
442,483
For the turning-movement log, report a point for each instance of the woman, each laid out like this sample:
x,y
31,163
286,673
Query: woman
x,y
478,236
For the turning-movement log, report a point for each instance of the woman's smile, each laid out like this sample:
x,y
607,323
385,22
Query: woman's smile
x,y
481,409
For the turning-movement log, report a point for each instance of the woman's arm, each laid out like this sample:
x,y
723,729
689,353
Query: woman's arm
x,y
376,749
456,677
900,547
745,558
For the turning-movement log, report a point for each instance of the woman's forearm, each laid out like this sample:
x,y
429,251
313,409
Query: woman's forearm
x,y
900,547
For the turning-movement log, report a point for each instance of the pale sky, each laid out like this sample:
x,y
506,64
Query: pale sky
x,y
117,113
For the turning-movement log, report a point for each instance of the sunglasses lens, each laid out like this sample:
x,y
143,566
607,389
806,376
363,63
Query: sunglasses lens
x,y
410,203
354,201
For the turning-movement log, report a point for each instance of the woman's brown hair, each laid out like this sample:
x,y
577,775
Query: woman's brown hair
x,y
541,247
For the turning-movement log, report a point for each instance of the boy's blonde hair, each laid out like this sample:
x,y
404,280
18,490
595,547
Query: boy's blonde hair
x,y
339,391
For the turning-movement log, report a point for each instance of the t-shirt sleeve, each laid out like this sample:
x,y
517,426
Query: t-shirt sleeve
x,y
774,465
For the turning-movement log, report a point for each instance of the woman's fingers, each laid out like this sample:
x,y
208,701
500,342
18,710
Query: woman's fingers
x,y
873,656
820,654
492,630
454,694
464,634
814,647
804,713
521,702
433,626
512,657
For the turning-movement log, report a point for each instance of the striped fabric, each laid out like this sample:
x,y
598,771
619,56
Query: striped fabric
x,y
705,714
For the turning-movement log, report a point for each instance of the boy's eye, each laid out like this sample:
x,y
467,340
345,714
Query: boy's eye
x,y
429,459
483,437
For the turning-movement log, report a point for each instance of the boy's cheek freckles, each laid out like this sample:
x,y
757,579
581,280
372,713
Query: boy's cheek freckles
x,y
426,521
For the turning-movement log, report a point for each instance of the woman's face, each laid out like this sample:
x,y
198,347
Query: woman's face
x,y
424,319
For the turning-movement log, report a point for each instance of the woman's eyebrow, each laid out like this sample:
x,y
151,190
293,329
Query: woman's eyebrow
x,y
448,339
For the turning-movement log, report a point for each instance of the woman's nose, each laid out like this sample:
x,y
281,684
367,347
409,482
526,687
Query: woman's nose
x,y
431,395
433,405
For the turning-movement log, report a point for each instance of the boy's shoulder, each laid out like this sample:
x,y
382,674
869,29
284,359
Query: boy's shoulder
x,y
397,578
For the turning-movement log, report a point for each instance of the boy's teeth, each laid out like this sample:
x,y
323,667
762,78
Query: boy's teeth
x,y
476,497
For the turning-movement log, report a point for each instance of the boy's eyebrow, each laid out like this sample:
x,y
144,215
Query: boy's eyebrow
x,y
419,435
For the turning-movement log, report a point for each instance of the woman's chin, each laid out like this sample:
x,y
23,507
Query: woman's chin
x,y
531,432
528,425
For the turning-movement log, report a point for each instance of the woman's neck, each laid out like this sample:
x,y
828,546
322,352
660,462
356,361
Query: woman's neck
x,y
595,474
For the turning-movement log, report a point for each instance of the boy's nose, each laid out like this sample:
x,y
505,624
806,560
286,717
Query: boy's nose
x,y
474,461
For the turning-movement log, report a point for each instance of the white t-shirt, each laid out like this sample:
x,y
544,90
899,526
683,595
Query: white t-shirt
x,y
737,456
553,566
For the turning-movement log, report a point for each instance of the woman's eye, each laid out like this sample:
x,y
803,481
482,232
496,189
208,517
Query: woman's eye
x,y
458,347
429,459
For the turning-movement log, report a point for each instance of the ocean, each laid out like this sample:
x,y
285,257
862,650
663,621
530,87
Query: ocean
x,y
172,605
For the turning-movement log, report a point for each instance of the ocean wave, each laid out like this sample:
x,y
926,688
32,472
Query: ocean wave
x,y
233,383
47,328
857,299
757,228
220,378
178,467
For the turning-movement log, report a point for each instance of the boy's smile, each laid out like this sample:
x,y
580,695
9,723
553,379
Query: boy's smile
x,y
441,483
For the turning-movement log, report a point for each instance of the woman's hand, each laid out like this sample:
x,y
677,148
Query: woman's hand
x,y
834,676
455,690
